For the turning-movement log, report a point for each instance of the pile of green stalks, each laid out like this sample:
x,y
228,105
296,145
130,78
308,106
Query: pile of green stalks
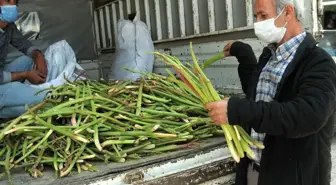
x,y
86,121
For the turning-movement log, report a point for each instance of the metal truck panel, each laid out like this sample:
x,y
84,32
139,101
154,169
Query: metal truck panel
x,y
191,170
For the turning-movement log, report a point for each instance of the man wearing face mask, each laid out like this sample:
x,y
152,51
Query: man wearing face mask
x,y
14,94
290,100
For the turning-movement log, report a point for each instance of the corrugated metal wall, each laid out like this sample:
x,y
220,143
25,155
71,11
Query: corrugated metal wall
x,y
173,19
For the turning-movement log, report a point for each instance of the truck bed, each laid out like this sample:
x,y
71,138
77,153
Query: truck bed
x,y
209,161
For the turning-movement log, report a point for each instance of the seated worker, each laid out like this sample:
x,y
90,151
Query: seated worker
x,y
14,94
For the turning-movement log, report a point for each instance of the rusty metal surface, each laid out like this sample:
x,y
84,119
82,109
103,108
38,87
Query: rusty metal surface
x,y
198,175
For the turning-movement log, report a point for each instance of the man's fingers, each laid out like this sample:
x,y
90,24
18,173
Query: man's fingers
x,y
212,113
210,106
41,74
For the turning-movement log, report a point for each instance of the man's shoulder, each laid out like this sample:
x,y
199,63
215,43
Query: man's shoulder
x,y
319,53
319,57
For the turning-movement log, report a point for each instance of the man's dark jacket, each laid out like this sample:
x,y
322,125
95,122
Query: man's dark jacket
x,y
298,123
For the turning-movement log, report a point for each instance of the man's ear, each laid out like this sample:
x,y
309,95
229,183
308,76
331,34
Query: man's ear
x,y
289,12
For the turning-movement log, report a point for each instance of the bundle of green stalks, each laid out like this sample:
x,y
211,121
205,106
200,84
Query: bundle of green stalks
x,y
86,121
200,86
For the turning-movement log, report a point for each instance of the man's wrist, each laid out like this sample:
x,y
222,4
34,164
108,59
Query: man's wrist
x,y
24,74
18,76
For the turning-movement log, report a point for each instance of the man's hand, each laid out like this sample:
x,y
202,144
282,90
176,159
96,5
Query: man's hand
x,y
35,77
218,111
40,62
227,49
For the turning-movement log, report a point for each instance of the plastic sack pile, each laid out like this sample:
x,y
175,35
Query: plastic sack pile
x,y
134,45
61,61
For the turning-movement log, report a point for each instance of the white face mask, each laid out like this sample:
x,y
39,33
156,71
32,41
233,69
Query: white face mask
x,y
268,32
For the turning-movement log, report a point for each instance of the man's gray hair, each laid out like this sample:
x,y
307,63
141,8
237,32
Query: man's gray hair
x,y
297,4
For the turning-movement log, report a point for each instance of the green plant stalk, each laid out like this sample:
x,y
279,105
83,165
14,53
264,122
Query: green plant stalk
x,y
226,131
114,110
7,165
138,133
139,101
74,161
130,150
190,79
82,108
3,151
236,142
15,150
77,105
232,149
68,145
35,147
163,113
247,137
85,126
44,161
69,103
117,142
247,149
93,106
87,157
204,136
154,98
168,108
149,147
96,138
133,156
55,161
176,98
206,81
168,122
170,142
18,119
213,59
116,150
31,128
64,111
180,92
106,117
62,131
115,158
79,169
39,158
111,127
133,120
181,85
